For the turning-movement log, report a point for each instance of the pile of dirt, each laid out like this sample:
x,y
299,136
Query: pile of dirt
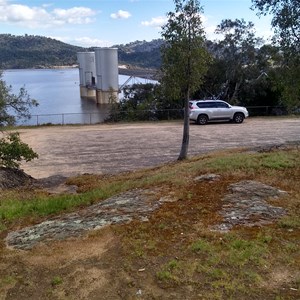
x,y
14,178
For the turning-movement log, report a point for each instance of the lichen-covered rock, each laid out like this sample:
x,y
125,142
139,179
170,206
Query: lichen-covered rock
x,y
247,205
122,208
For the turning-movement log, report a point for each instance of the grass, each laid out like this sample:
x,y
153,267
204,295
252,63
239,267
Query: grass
x,y
56,280
176,246
97,188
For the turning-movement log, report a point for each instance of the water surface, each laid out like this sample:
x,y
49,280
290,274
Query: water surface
x,y
58,95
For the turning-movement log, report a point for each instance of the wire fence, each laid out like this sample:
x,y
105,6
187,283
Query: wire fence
x,y
132,115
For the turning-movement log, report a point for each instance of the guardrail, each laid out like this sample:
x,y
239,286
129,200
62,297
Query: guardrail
x,y
132,115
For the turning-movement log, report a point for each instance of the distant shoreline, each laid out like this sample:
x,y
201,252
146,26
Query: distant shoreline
x,y
128,71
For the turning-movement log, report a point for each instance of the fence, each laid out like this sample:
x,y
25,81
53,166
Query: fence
x,y
66,118
132,115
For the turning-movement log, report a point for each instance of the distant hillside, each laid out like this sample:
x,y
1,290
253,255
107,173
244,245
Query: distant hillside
x,y
21,52
141,53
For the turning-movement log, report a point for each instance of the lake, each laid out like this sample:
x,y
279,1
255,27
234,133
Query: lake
x,y
57,92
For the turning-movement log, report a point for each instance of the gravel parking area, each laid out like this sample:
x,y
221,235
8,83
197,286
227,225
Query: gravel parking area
x,y
71,150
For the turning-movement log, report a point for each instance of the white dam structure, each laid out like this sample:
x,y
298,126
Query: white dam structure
x,y
99,75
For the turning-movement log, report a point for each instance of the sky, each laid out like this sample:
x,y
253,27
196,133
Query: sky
x,y
104,23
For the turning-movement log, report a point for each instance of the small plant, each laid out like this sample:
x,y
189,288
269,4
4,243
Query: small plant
x,y
168,270
200,246
56,281
13,150
173,264
164,275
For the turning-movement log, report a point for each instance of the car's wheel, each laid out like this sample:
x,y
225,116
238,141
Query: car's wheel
x,y
202,119
238,118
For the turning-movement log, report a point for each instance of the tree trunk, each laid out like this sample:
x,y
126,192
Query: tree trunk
x,y
233,99
186,130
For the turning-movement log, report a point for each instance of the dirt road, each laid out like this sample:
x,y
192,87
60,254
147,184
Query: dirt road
x,y
71,150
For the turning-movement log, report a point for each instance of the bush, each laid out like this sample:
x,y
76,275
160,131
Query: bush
x,y
13,151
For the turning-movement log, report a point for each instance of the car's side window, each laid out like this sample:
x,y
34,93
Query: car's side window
x,y
212,105
202,105
206,104
222,105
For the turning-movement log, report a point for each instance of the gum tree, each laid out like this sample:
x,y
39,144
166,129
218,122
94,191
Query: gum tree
x,y
238,53
286,24
285,21
184,58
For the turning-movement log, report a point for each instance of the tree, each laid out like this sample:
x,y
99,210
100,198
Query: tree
x,y
12,106
238,53
139,102
12,149
286,23
184,57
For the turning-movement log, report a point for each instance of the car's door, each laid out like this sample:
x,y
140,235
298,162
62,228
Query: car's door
x,y
222,110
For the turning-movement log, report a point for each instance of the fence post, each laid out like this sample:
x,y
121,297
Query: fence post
x,y
63,119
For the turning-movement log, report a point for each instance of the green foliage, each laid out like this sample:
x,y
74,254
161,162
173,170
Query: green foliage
x,y
139,103
141,53
184,54
185,58
200,246
167,271
13,151
238,54
56,281
286,23
30,51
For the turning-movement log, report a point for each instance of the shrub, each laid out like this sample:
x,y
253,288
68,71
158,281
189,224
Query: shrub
x,y
13,151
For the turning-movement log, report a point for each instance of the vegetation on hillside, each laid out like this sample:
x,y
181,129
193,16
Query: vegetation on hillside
x,y
21,52
29,51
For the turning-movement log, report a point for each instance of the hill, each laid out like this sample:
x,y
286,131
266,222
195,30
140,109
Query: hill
x,y
21,52
141,53
28,51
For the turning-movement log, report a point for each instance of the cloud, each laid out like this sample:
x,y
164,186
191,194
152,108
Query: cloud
x,y
155,22
74,15
90,42
83,41
121,14
36,17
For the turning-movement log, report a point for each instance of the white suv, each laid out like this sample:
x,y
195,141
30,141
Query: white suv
x,y
203,111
